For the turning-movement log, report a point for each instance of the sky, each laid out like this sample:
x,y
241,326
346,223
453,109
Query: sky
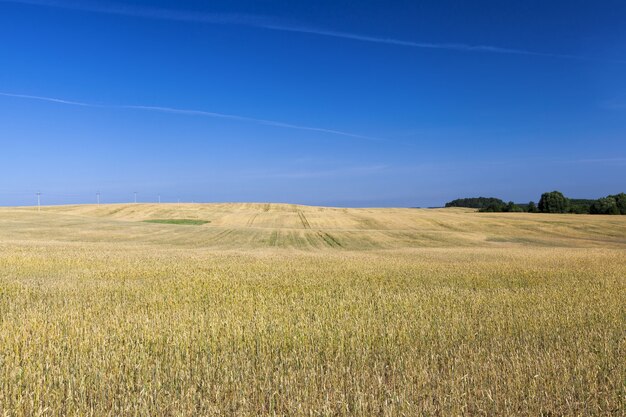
x,y
341,103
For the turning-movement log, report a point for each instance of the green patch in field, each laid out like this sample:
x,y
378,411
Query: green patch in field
x,y
192,222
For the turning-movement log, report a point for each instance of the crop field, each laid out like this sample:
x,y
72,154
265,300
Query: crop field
x,y
272,309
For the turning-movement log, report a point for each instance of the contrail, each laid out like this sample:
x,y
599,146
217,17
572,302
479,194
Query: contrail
x,y
424,45
202,113
267,23
50,99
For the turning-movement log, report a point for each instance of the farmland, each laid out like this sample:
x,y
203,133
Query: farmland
x,y
275,309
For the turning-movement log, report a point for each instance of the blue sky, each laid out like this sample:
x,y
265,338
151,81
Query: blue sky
x,y
372,103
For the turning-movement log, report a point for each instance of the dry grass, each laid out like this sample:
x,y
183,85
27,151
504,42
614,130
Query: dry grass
x,y
291,310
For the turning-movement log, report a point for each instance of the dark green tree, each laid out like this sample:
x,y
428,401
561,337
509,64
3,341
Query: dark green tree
x,y
511,207
532,207
474,202
494,207
606,205
580,205
620,200
553,202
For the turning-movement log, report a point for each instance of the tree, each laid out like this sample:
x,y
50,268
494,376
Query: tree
x,y
494,207
474,202
606,205
511,207
580,205
532,207
553,202
620,200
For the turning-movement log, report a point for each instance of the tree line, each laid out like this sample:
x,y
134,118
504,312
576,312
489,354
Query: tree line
x,y
550,202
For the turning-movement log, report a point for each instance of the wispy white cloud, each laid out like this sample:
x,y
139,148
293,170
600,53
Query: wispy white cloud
x,y
271,24
425,45
148,12
50,99
189,112
248,119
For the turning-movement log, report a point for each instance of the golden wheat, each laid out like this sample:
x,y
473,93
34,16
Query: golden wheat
x,y
291,310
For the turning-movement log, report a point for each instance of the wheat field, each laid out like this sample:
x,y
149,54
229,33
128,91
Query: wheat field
x,y
273,309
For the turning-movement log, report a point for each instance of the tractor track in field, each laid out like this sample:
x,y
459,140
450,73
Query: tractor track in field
x,y
330,240
252,219
303,219
221,235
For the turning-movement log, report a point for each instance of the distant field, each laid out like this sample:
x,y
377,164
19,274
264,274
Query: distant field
x,y
270,309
